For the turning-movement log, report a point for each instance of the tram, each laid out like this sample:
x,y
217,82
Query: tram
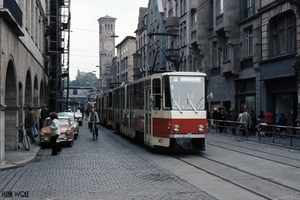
x,y
161,110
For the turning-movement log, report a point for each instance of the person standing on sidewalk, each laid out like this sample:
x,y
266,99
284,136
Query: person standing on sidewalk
x,y
269,120
233,116
55,132
44,113
30,122
282,121
246,122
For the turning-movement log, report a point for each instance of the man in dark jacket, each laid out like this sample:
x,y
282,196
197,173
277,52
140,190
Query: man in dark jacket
x,y
44,113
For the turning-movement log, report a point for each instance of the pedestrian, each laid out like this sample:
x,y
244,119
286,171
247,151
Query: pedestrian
x,y
55,133
93,117
282,121
215,118
226,124
30,122
221,119
233,116
254,122
40,118
261,116
246,122
44,113
269,121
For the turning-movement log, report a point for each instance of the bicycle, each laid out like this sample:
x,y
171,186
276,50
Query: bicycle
x,y
23,141
94,131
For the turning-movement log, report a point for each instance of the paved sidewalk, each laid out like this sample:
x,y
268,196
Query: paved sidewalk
x,y
19,158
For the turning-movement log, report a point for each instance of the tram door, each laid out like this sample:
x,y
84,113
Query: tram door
x,y
147,126
131,101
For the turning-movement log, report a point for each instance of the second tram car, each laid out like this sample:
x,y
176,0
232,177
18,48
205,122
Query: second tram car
x,y
161,110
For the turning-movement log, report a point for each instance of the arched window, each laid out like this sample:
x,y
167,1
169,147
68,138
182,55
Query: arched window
x,y
282,34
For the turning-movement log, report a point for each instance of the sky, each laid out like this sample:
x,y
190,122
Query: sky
x,y
84,36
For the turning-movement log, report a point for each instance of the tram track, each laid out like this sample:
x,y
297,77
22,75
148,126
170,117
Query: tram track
x,y
242,179
216,174
262,157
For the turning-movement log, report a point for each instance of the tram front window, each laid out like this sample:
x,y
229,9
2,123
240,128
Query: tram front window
x,y
186,92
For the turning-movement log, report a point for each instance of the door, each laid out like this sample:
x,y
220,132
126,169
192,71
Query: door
x,y
147,126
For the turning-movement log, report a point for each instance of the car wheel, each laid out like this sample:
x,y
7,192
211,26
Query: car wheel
x,y
80,123
70,144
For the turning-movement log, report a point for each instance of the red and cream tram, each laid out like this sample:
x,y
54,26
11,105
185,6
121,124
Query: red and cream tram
x,y
161,110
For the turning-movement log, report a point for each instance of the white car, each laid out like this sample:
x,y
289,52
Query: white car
x,y
78,117
74,123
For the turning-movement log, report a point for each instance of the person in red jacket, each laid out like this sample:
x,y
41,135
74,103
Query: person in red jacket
x,y
269,120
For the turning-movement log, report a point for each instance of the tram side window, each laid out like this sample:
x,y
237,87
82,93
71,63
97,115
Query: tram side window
x,y
136,96
167,93
141,86
156,92
116,99
110,99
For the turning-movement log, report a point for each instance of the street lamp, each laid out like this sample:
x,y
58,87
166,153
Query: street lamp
x,y
99,76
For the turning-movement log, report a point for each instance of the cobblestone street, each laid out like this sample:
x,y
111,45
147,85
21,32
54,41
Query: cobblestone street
x,y
105,169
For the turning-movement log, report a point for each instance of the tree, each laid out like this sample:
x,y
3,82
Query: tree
x,y
85,79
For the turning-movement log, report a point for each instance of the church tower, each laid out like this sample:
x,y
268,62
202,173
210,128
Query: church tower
x,y
106,50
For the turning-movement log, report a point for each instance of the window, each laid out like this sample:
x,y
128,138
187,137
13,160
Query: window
x,y
249,8
220,7
282,34
156,92
215,54
227,52
182,7
249,42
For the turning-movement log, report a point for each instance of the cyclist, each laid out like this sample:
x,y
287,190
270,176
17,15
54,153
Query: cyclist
x,y
93,117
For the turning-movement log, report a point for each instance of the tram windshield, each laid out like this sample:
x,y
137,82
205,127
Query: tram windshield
x,y
184,93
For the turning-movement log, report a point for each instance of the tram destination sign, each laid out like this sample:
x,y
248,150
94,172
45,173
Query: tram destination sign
x,y
186,79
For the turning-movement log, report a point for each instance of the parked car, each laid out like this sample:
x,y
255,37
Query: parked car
x,y
74,123
78,117
66,132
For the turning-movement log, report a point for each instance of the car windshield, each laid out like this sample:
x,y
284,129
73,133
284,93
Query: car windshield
x,y
63,121
67,114
185,93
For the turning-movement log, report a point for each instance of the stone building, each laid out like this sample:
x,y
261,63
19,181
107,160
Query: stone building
x,y
141,44
248,49
125,50
251,48
31,61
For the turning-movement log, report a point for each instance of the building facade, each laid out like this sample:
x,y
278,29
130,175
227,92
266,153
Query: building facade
x,y
248,49
30,61
141,45
125,50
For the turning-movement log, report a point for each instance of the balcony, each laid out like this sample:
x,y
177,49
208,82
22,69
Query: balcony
x,y
12,14
172,22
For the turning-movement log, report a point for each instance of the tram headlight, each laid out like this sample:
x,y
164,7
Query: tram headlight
x,y
200,128
176,128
